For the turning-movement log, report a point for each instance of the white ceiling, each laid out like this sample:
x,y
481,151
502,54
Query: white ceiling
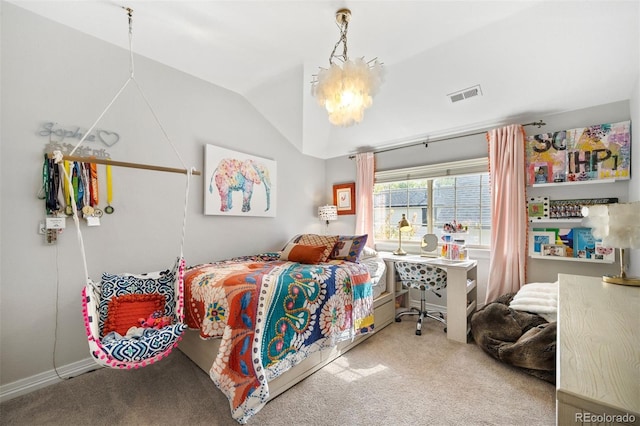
x,y
531,58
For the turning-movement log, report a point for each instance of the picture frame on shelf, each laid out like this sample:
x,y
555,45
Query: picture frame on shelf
x,y
572,209
584,243
554,250
344,197
604,253
538,208
539,238
540,172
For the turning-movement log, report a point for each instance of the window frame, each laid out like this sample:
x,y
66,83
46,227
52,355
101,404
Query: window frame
x,y
431,172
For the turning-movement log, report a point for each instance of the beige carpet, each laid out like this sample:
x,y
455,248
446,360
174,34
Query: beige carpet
x,y
393,378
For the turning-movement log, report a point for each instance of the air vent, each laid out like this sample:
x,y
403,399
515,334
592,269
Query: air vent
x,y
467,93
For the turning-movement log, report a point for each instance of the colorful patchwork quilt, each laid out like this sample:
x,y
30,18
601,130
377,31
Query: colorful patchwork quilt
x,y
271,315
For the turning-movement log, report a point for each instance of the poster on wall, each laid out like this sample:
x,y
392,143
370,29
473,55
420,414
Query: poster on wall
x,y
602,151
238,184
546,157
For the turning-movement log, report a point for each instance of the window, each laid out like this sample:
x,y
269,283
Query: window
x,y
432,196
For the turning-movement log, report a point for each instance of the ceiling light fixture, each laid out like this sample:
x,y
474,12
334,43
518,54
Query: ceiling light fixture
x,y
346,90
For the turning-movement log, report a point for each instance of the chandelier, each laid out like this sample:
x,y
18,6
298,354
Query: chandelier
x,y
346,89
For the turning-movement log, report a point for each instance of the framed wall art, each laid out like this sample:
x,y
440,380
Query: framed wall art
x,y
238,184
344,197
601,151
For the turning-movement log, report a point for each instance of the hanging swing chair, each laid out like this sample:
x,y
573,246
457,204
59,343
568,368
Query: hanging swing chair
x,y
131,320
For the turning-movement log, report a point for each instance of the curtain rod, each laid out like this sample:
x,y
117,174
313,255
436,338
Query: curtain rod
x,y
124,164
426,142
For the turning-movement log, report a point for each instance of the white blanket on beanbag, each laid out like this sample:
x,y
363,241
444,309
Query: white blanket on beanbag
x,y
538,298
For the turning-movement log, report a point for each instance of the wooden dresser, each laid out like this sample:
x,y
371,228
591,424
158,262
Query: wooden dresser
x,y
598,352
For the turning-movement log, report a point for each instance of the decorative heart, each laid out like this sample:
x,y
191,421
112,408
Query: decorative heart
x,y
108,138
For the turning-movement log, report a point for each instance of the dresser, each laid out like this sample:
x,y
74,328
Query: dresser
x,y
598,352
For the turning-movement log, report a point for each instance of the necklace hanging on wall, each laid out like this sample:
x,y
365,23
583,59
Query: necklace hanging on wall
x,y
87,209
68,210
109,209
51,184
93,184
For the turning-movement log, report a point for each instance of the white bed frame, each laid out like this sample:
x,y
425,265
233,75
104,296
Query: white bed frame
x,y
203,352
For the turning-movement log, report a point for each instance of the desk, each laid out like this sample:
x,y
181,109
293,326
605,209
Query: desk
x,y
598,351
461,290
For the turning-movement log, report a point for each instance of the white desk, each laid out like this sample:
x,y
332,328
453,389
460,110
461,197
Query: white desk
x,y
461,289
598,351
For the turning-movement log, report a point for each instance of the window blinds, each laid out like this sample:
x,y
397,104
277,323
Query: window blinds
x,y
454,168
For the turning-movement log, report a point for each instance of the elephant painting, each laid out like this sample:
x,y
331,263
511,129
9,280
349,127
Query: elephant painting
x,y
238,175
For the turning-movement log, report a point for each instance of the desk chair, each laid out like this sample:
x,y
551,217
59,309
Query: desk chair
x,y
423,277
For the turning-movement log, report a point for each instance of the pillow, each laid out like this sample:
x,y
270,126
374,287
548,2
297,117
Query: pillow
x,y
538,298
329,241
349,247
368,252
124,312
114,285
294,239
302,254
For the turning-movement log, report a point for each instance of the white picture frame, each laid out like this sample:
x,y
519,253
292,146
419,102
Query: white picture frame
x,y
239,184
539,238
538,208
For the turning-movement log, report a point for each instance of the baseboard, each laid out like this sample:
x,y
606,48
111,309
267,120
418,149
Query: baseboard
x,y
47,378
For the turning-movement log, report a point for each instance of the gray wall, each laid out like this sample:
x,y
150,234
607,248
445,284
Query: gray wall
x,y
52,73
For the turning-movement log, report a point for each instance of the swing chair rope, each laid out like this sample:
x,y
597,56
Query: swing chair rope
x,y
58,156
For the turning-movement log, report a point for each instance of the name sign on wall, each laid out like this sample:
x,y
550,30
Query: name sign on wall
x,y
59,134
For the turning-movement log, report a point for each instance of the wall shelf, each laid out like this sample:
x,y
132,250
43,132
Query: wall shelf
x,y
570,259
551,221
580,182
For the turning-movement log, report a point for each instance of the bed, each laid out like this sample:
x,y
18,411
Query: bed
x,y
259,324
519,329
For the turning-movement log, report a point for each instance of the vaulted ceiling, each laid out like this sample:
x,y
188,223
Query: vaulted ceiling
x,y
530,58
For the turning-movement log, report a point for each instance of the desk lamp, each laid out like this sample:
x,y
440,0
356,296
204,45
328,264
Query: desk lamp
x,y
403,225
618,225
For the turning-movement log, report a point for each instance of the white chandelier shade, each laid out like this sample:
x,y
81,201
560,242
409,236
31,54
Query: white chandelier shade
x,y
345,90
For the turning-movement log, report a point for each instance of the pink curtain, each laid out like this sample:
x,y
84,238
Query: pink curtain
x,y
509,221
365,170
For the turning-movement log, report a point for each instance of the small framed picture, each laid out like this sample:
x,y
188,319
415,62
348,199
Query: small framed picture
x,y
539,238
604,253
344,197
541,172
557,250
538,208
